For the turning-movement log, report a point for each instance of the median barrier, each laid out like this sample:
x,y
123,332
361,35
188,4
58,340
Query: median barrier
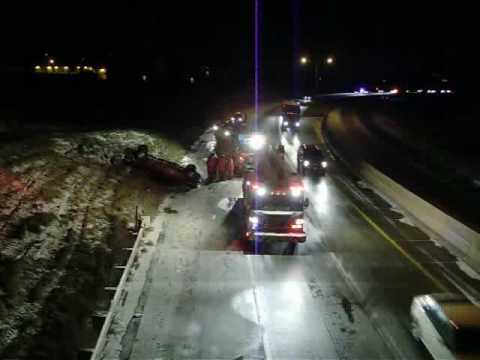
x,y
459,238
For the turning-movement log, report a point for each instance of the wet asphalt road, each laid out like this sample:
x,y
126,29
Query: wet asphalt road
x,y
344,294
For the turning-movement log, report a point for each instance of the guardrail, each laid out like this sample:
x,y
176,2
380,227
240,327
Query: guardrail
x,y
462,240
100,345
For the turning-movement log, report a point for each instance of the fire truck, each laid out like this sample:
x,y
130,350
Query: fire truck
x,y
274,201
290,118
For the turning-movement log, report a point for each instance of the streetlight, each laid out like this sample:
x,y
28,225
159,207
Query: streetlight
x,y
317,67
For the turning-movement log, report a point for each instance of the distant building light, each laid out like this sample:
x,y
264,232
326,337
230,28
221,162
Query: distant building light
x,y
51,61
65,68
102,70
192,80
38,67
85,68
55,67
444,80
79,67
144,77
49,68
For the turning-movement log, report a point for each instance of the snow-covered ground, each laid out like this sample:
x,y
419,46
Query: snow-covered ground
x,y
63,210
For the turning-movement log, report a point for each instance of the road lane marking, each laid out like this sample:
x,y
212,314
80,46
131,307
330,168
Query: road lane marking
x,y
392,242
378,229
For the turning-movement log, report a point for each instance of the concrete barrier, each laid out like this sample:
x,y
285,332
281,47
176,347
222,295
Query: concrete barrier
x,y
461,239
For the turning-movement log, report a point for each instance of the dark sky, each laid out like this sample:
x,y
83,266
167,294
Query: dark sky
x,y
368,38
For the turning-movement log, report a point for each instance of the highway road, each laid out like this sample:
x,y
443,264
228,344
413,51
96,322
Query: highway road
x,y
344,294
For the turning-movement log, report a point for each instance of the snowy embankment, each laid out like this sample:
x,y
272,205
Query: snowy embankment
x,y
63,210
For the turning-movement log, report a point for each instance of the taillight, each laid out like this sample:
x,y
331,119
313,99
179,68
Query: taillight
x,y
298,224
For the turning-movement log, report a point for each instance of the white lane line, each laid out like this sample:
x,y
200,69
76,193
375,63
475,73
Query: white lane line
x,y
389,340
266,341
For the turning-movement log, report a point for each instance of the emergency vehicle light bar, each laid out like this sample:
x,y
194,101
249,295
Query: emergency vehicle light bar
x,y
297,235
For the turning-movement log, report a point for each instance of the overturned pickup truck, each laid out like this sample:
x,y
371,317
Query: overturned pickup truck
x,y
163,169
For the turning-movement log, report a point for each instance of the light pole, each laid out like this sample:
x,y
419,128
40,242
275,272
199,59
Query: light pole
x,y
328,61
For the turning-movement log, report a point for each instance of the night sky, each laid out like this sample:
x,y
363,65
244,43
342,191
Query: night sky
x,y
369,39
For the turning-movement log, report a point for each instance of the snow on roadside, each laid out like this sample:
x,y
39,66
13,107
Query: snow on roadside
x,y
79,198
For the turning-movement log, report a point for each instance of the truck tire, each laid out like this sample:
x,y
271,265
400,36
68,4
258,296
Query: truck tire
x,y
142,151
190,168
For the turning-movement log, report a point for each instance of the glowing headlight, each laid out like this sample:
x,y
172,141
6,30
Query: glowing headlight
x,y
215,127
306,163
297,124
324,164
232,118
296,191
257,141
261,191
253,220
227,133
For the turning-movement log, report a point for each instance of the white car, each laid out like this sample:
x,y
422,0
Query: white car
x,y
448,325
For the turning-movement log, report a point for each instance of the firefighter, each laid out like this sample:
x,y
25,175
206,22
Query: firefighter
x,y
212,163
221,168
238,162
230,168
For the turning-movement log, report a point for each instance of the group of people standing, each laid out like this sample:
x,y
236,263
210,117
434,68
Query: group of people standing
x,y
220,168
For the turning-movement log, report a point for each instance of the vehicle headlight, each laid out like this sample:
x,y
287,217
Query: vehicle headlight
x,y
227,133
297,124
257,141
253,220
306,163
261,191
296,191
215,127
324,164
